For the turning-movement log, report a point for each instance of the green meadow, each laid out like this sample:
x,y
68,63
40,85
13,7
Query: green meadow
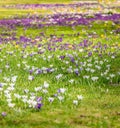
x,y
79,90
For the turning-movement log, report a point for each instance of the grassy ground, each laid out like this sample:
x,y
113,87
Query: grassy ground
x,y
8,13
31,2
100,107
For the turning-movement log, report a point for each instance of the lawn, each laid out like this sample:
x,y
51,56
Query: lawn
x,y
31,2
59,65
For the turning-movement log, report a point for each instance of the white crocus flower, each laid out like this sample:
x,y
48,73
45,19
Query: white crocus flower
x,y
86,77
13,79
98,67
80,97
81,50
46,85
7,66
87,69
112,57
59,76
92,70
75,102
34,103
10,88
89,65
32,97
101,62
62,90
94,78
112,75
50,99
11,105
38,89
25,100
26,90
18,65
60,98
45,91
71,81
17,96
30,78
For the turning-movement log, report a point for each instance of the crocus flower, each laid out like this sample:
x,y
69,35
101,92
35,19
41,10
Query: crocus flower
x,y
61,98
30,78
59,76
80,97
46,85
39,105
50,99
75,102
4,114
11,105
95,78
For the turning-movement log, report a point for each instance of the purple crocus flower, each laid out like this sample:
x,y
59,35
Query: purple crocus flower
x,y
31,55
30,71
39,99
39,105
59,91
1,85
39,71
72,60
62,57
3,114
55,95
48,70
90,54
77,72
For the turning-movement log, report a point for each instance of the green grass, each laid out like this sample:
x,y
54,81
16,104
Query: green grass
x,y
8,13
100,107
31,2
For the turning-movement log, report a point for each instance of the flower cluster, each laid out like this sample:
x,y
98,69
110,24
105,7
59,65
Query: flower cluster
x,y
40,21
37,71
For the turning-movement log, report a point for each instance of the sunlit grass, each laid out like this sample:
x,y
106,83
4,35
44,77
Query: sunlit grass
x,y
9,13
100,107
4,2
